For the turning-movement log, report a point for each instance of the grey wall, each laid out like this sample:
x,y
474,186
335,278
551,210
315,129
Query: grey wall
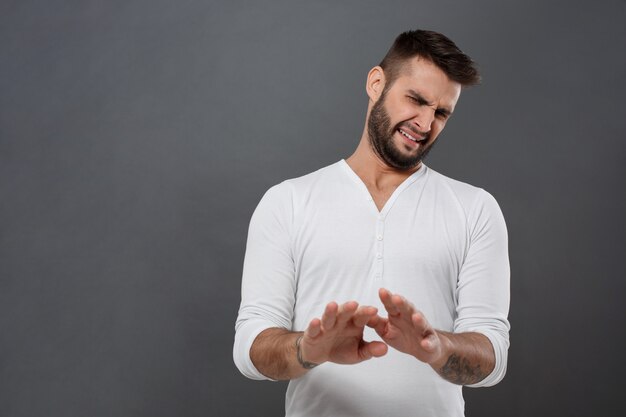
x,y
136,138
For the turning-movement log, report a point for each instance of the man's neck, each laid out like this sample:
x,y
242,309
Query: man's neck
x,y
374,173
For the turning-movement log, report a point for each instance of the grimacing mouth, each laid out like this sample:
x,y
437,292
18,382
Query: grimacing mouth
x,y
410,137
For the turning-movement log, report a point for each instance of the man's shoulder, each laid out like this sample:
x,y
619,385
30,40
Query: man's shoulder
x,y
298,188
308,181
329,172
452,184
466,194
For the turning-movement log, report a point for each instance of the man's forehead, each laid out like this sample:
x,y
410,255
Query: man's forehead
x,y
425,78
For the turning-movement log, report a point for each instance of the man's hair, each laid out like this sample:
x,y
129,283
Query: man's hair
x,y
435,47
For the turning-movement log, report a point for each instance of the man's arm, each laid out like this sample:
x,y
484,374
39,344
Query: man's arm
x,y
476,353
461,358
268,287
336,337
274,354
469,357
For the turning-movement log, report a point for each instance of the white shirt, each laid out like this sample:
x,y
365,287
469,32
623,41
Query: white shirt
x,y
440,243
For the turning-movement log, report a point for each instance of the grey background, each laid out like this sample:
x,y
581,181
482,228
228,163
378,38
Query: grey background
x,y
136,138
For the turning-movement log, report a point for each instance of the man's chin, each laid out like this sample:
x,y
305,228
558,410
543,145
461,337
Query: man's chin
x,y
403,164
407,159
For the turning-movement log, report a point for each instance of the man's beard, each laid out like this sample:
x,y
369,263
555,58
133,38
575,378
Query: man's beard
x,y
381,139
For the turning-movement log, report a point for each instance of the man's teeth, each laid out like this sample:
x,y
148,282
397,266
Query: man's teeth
x,y
409,136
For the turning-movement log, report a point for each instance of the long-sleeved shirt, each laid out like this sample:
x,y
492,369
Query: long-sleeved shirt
x,y
440,243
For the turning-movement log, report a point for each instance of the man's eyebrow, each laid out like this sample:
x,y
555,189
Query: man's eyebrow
x,y
422,100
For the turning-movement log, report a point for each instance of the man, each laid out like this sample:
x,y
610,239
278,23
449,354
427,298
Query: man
x,y
376,285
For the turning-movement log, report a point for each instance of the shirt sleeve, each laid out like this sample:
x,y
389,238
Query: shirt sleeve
x,y
483,289
268,282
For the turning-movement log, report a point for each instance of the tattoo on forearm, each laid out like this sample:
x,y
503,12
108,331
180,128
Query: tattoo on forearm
x,y
459,370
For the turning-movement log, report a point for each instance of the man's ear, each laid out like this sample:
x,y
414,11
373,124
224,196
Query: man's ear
x,y
375,83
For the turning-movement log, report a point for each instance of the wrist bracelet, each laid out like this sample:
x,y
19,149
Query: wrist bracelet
x,y
305,364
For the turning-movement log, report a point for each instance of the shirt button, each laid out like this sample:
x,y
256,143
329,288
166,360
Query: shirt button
x,y
379,256
379,237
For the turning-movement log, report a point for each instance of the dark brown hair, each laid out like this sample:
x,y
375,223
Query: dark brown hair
x,y
435,47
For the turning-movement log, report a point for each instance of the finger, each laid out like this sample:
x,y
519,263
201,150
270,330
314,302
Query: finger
x,y
363,315
385,297
330,315
404,306
379,324
314,329
346,311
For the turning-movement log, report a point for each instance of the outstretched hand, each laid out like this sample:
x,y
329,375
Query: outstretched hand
x,y
338,335
406,329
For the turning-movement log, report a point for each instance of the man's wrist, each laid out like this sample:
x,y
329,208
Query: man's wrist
x,y
301,361
445,350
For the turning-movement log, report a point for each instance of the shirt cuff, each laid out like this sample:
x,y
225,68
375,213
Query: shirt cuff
x,y
245,335
500,347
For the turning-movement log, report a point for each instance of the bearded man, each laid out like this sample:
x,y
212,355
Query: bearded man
x,y
376,285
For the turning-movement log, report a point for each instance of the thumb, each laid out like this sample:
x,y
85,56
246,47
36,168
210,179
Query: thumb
x,y
430,343
370,350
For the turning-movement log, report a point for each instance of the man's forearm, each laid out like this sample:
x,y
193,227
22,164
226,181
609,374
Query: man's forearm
x,y
467,358
337,337
274,354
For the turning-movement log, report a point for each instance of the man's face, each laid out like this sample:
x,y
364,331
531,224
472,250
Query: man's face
x,y
406,119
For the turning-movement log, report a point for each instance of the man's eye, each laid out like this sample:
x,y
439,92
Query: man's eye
x,y
441,115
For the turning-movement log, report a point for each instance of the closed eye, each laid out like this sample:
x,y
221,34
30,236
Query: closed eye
x,y
418,100
442,114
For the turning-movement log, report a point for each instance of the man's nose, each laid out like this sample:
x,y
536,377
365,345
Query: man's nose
x,y
424,119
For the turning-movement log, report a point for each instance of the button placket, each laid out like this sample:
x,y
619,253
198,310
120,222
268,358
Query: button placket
x,y
379,245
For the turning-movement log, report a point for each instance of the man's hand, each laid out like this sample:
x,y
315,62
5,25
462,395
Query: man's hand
x,y
338,335
407,330
460,358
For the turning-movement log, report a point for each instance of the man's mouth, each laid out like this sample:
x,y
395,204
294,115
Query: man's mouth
x,y
411,137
